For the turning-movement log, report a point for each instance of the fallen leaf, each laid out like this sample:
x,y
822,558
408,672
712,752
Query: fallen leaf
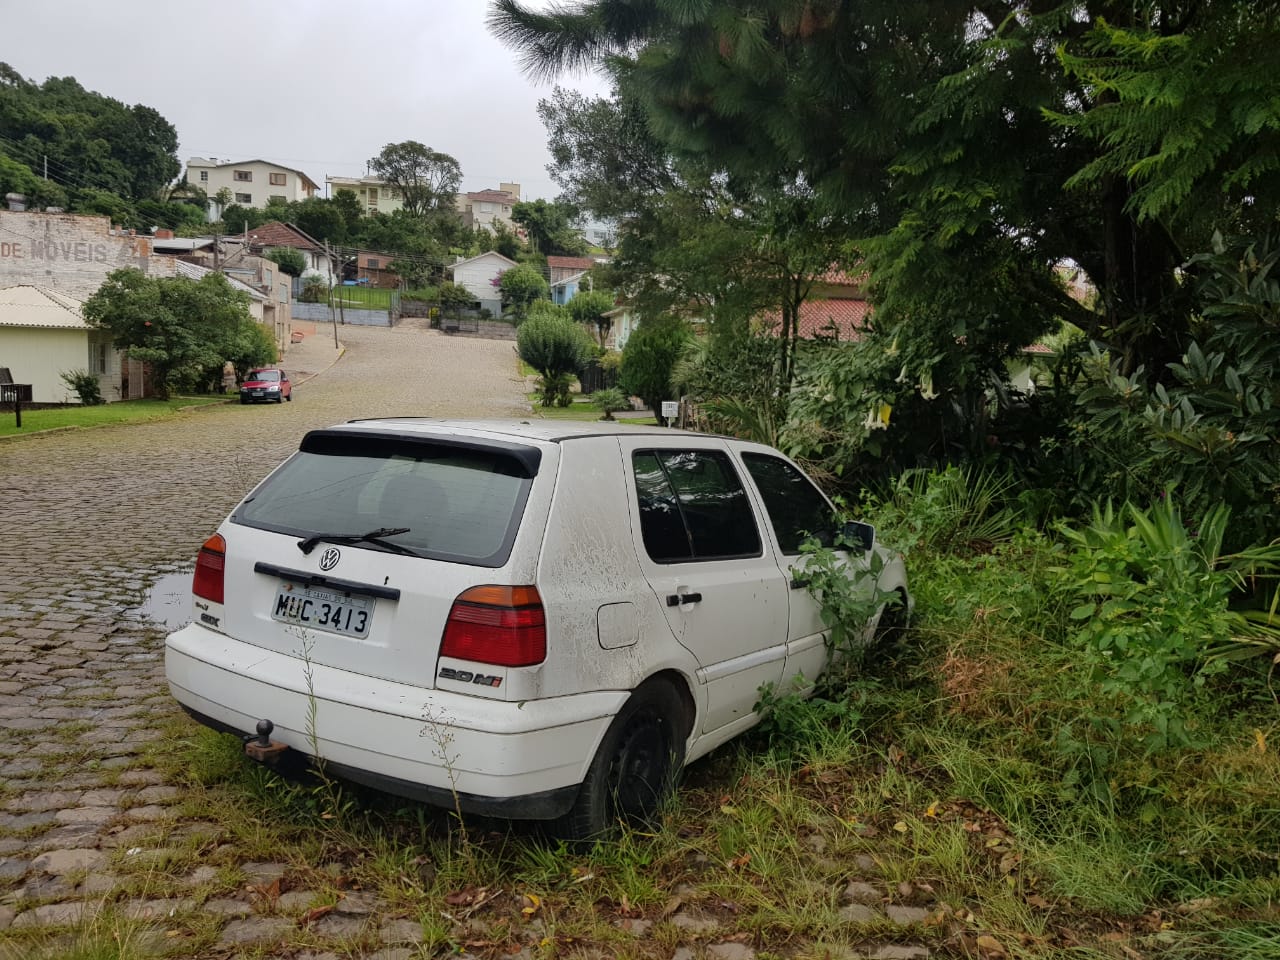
x,y
1038,901
992,947
314,914
740,861
462,898
895,754
532,903
672,905
728,811
932,810
901,826
1260,741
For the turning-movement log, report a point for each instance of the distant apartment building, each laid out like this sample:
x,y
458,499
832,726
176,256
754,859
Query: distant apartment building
x,y
484,208
372,192
480,208
252,183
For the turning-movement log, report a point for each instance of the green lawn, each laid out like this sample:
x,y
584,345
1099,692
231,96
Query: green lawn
x,y
362,298
126,411
581,409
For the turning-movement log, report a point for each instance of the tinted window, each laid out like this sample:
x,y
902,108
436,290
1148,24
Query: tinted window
x,y
459,504
266,375
693,506
796,509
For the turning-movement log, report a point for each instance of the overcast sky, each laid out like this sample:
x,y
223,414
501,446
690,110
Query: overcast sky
x,y
313,84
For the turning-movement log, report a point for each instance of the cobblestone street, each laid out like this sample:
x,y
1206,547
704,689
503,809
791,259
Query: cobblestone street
x,y
90,519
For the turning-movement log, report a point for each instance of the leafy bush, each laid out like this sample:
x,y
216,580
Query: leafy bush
x,y
521,286
649,357
1210,424
85,386
609,400
289,260
556,347
315,288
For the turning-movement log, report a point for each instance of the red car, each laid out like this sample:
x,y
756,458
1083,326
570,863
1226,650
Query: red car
x,y
266,383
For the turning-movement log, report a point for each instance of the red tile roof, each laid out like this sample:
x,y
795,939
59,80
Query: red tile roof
x,y
277,234
573,263
841,319
492,196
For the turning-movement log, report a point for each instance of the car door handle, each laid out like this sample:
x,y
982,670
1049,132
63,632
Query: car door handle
x,y
676,599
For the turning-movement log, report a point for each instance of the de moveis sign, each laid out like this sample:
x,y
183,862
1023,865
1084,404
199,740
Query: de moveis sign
x,y
53,250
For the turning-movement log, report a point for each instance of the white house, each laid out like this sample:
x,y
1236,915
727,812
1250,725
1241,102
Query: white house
x,y
43,334
484,208
373,192
480,275
253,183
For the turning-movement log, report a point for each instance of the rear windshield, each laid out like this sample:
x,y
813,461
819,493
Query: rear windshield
x,y
461,503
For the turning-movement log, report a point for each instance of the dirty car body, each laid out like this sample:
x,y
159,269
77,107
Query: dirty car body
x,y
536,621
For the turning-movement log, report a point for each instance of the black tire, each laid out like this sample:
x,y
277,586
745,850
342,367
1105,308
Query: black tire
x,y
636,768
892,625
279,399
244,399
289,397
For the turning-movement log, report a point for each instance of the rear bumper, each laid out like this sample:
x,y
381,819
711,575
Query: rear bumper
x,y
492,757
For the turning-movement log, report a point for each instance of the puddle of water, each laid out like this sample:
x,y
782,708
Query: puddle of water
x,y
169,600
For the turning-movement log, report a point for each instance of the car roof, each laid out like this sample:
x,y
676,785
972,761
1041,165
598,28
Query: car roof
x,y
533,429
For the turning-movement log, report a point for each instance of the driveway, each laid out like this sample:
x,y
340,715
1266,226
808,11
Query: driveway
x,y
89,520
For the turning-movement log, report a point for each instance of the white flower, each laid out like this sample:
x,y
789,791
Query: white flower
x,y
926,386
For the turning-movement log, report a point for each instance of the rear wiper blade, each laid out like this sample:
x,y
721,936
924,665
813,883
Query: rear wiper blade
x,y
373,536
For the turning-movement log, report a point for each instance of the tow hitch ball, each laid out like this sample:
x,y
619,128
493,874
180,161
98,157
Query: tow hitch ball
x,y
262,748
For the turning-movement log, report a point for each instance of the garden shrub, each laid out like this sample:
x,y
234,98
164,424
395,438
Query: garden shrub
x,y
85,386
556,347
649,357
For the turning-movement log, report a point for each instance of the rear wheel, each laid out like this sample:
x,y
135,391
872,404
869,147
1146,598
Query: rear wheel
x,y
289,397
636,767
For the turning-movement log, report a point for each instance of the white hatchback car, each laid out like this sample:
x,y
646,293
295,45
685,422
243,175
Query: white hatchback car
x,y
529,620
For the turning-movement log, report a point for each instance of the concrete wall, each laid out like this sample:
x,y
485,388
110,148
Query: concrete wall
x,y
319,313
71,254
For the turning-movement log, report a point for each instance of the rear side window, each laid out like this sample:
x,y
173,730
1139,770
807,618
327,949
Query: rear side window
x,y
460,503
693,507
796,509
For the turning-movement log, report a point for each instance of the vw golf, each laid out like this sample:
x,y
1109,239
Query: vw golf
x,y
533,620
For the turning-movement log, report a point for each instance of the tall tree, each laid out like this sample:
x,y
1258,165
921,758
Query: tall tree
x,y
427,179
941,143
550,227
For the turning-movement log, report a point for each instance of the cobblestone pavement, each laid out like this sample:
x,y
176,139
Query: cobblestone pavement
x,y
89,519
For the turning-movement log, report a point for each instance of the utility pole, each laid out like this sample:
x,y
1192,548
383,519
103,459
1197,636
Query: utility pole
x,y
332,317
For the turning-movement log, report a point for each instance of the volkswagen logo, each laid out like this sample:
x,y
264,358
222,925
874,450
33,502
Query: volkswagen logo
x,y
329,559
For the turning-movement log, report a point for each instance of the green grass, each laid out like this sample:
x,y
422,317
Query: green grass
x,y
127,411
581,409
362,298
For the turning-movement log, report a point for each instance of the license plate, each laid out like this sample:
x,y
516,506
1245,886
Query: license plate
x,y
257,393
328,610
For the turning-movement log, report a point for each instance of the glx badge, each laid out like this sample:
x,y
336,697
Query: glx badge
x,y
329,559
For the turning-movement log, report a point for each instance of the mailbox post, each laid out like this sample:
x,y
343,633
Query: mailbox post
x,y
17,394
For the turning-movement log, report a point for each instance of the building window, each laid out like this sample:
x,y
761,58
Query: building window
x,y
102,357
277,179
373,264
276,199
244,198
204,176
486,208
244,176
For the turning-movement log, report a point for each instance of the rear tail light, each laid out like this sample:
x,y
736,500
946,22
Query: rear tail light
x,y
502,626
210,563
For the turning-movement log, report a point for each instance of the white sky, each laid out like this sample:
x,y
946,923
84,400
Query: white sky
x,y
313,84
